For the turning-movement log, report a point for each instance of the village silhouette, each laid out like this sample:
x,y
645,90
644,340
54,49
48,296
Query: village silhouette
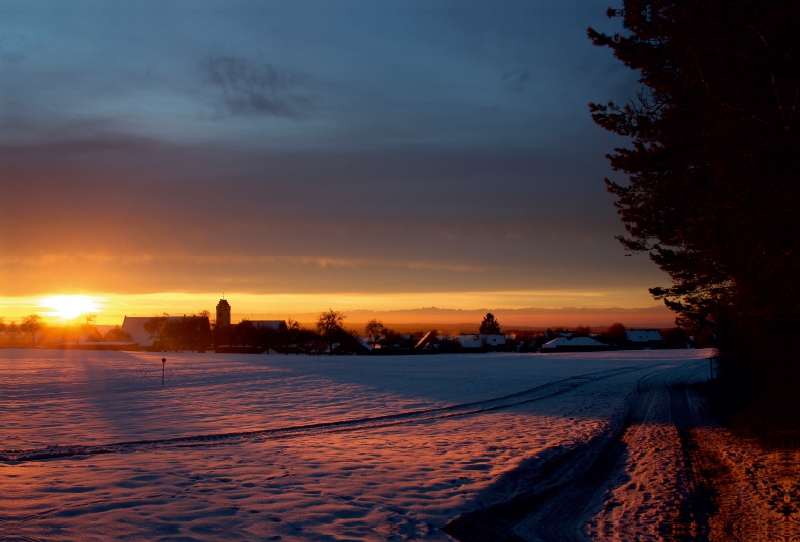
x,y
329,335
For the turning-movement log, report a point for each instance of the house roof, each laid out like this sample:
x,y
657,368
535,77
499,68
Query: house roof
x,y
479,340
271,324
470,340
426,339
493,339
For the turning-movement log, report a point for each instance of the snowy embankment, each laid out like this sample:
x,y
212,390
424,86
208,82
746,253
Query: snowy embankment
x,y
316,448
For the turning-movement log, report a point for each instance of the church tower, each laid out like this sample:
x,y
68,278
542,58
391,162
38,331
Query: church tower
x,y
223,313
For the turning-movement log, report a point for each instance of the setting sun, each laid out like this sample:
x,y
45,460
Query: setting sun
x,y
70,306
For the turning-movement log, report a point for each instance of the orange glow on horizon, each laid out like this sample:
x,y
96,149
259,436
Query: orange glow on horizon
x,y
68,307
112,308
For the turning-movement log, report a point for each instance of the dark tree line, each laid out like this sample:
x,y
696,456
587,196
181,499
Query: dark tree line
x,y
186,333
328,336
30,325
32,330
713,192
384,338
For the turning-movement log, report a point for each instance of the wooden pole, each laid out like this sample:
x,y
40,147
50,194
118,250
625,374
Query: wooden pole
x,y
163,364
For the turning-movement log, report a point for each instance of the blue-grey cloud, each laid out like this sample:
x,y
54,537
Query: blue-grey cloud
x,y
516,80
261,89
13,48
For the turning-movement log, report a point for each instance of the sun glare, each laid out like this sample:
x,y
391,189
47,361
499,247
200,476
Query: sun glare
x,y
70,306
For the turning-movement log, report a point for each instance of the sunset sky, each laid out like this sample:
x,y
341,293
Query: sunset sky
x,y
301,155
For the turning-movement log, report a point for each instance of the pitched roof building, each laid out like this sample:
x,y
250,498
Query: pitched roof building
x,y
481,340
268,324
134,325
643,338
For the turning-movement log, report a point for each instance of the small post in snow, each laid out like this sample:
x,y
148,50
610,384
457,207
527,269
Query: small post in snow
x,y
163,364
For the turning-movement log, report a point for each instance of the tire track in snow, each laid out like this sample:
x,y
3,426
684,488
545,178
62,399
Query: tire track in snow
x,y
538,393
551,503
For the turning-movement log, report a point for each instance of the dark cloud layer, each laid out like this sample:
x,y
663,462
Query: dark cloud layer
x,y
152,213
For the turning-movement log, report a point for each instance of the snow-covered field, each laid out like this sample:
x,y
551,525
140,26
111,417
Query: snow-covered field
x,y
271,447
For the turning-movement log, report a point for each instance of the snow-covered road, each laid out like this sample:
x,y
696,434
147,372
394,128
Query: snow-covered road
x,y
556,494
299,448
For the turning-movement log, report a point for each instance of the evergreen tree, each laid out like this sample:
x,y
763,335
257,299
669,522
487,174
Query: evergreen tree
x,y
713,191
489,325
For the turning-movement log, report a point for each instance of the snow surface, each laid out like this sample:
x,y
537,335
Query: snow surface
x,y
288,447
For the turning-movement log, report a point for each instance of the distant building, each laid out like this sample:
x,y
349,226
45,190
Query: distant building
x,y
470,340
426,341
482,341
134,325
576,344
493,340
223,313
267,324
90,335
643,338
